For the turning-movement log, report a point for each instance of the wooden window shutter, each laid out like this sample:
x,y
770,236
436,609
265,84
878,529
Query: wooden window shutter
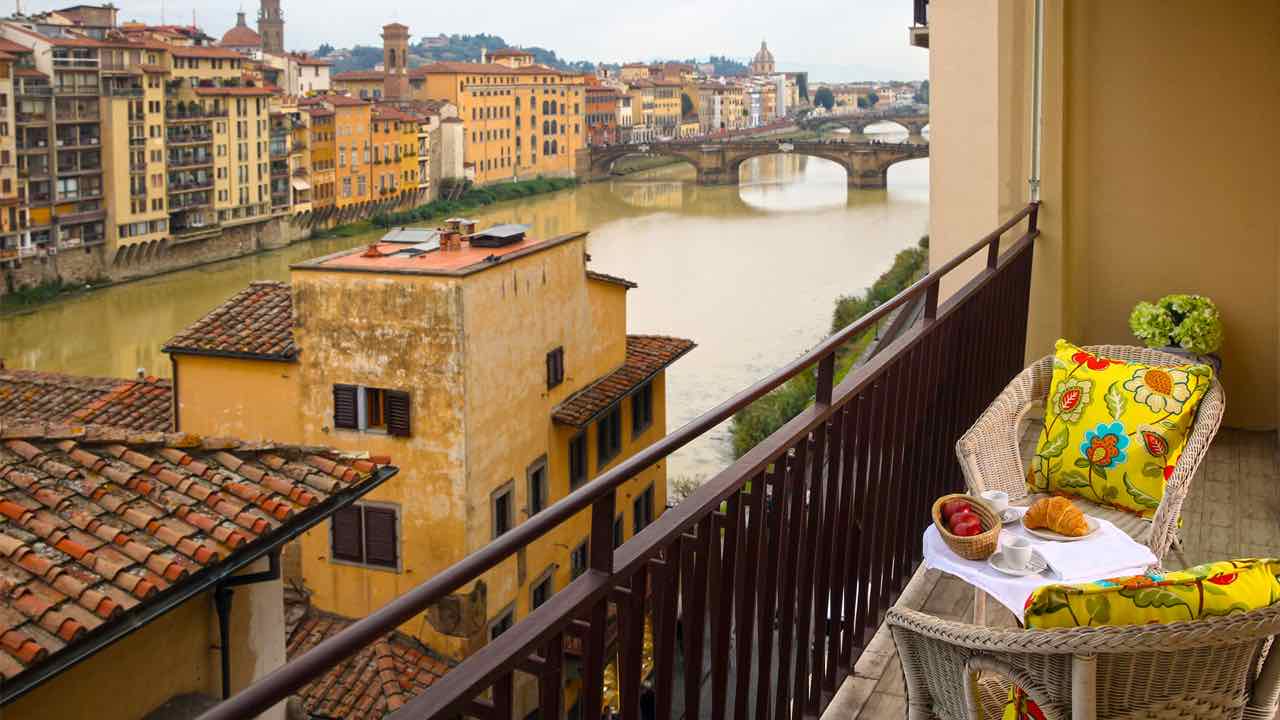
x,y
344,406
381,546
348,535
397,410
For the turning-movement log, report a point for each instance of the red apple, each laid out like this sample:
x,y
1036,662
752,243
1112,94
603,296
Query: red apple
x,y
967,526
958,516
951,507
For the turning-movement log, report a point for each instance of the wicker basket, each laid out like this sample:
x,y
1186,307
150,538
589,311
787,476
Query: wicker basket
x,y
973,547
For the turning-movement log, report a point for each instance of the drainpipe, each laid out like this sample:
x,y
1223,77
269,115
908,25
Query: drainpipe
x,y
1037,100
222,595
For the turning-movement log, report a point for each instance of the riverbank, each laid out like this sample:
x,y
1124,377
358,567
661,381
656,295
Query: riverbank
x,y
472,199
761,418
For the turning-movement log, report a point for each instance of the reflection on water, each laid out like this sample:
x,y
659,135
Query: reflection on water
x,y
748,272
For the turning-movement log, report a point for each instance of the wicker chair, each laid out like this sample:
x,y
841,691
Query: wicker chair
x,y
991,455
1211,669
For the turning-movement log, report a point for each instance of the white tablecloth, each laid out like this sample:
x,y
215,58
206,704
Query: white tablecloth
x,y
1107,553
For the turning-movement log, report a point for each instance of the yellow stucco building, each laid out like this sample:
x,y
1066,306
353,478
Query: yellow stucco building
x,y
498,375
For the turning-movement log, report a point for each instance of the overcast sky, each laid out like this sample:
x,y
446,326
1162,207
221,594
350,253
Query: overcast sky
x,y
849,40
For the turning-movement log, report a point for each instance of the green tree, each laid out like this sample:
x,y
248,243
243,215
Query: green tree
x,y
872,99
824,98
686,105
922,95
325,50
802,85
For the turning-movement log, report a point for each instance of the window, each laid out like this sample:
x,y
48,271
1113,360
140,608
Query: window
x,y
578,460
502,502
642,409
642,510
609,436
555,367
371,410
537,474
578,560
366,534
617,532
502,623
541,591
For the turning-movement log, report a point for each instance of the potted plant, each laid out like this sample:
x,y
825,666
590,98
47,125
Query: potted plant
x,y
1184,325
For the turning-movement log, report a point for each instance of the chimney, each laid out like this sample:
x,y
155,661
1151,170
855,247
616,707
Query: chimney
x,y
484,54
372,251
142,373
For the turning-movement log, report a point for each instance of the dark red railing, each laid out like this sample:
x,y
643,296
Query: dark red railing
x,y
794,551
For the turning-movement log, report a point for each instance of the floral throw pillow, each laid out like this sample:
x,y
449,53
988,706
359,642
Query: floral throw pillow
x,y
1214,589
1113,431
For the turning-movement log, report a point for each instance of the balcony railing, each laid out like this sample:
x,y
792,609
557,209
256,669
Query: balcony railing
x,y
118,91
794,551
32,118
75,90
189,139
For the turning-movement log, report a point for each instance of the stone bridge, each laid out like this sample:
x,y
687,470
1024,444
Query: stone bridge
x,y
865,163
913,119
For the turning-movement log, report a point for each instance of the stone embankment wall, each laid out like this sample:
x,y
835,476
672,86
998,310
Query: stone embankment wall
x,y
97,264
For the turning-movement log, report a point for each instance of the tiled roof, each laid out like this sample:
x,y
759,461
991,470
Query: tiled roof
x,y
54,397
101,528
602,277
255,322
359,75
233,90
647,355
373,682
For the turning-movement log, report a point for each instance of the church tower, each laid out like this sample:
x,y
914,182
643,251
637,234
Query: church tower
x,y
271,27
395,61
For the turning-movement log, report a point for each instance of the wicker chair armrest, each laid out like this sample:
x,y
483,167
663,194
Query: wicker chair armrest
x,y
1164,525
990,453
1264,699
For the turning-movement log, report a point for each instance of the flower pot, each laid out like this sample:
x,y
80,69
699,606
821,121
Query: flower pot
x,y
1213,360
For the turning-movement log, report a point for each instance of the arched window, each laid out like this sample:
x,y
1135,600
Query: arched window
x,y
553,127
546,147
517,142
561,108
517,122
544,107
553,147
546,127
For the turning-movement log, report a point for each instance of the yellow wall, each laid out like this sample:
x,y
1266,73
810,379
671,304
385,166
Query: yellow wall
x,y
1141,197
352,138
172,655
234,397
320,140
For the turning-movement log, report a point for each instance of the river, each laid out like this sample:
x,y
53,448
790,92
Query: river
x,y
748,272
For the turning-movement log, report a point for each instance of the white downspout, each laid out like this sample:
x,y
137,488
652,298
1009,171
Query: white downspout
x,y
1037,100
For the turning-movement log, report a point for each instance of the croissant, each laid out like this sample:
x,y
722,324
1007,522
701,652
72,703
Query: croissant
x,y
1056,514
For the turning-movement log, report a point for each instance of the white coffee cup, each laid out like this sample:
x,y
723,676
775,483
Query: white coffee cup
x,y
1017,552
997,499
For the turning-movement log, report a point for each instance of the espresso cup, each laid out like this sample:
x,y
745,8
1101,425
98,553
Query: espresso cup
x,y
997,499
1017,551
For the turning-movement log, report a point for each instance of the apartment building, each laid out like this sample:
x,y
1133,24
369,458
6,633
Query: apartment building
x,y
13,238
602,114
290,161
58,144
321,154
352,126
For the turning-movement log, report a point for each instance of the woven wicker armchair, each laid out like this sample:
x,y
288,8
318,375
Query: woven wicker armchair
x,y
991,456
1211,669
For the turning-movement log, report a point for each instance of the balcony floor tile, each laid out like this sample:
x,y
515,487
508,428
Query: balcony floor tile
x,y
1233,510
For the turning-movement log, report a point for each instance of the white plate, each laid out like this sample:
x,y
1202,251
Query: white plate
x,y
1035,567
1058,537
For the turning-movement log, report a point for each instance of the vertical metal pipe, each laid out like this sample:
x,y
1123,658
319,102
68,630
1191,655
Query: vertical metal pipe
x,y
1037,100
222,604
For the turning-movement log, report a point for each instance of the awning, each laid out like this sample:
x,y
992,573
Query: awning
x,y
301,184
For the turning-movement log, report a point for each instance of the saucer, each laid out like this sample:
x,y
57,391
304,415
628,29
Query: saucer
x,y
1035,566
1047,534
1012,514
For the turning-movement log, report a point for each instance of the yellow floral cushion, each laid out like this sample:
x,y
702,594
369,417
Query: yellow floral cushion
x,y
1113,431
1210,590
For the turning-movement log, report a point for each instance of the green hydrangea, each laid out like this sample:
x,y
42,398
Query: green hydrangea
x,y
1189,321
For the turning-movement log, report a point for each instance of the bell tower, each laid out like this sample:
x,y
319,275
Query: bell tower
x,y
395,61
271,26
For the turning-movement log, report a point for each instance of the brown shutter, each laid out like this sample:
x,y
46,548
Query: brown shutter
x,y
344,406
397,412
348,535
381,547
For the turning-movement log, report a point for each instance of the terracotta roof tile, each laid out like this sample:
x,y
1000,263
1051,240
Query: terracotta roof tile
x,y
360,75
378,679
78,550
135,404
255,322
647,355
